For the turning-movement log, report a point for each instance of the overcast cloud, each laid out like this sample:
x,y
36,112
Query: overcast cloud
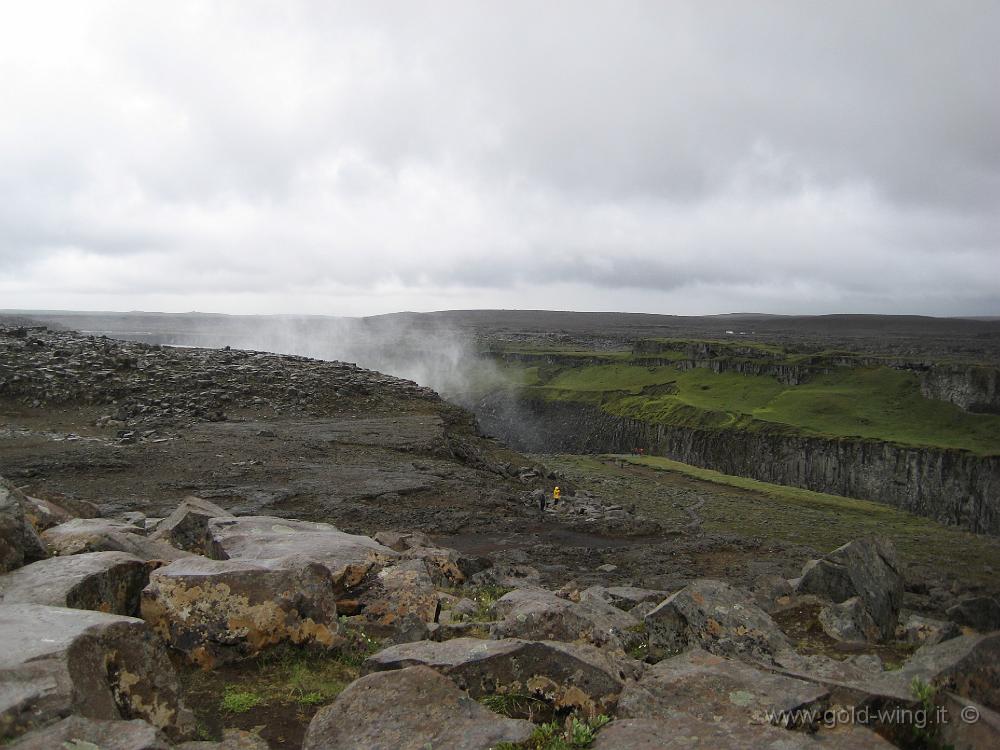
x,y
366,157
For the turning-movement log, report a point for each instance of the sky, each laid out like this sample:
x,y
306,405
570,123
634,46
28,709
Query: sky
x,y
361,158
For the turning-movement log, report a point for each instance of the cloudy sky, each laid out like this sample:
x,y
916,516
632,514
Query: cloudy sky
x,y
367,157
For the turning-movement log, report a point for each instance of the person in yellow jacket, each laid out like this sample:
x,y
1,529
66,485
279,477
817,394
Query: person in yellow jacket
x,y
556,494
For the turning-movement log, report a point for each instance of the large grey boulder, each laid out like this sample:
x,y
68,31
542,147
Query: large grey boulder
x,y
681,731
926,631
564,675
187,527
706,685
537,614
409,709
58,661
718,617
19,543
219,611
849,621
103,581
82,535
350,558
79,733
865,568
980,613
400,590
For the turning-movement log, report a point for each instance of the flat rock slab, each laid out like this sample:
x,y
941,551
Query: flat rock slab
x,y
623,597
102,581
409,709
685,732
537,614
79,733
711,687
105,535
717,617
219,611
57,661
565,675
348,557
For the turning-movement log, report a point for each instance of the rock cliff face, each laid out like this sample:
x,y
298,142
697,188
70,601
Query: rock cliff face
x,y
975,389
952,486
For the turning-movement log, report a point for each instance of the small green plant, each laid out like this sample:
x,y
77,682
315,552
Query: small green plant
x,y
574,735
512,704
485,597
925,734
235,701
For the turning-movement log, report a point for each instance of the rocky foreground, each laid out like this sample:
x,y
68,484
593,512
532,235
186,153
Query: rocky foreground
x,y
113,585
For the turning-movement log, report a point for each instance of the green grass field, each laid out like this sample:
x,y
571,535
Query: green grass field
x,y
862,402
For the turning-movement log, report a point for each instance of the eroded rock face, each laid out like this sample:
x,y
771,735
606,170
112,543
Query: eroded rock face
x,y
410,709
400,590
187,527
717,617
79,733
348,557
564,675
102,581
703,684
105,535
865,568
19,543
57,661
219,611
537,614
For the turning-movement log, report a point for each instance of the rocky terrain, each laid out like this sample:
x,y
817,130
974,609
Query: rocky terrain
x,y
231,549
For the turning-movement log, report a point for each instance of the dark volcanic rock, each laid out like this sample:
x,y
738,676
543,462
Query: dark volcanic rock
x,y
980,613
187,527
102,581
718,617
565,675
865,568
56,661
409,709
217,611
714,687
78,733
537,614
18,541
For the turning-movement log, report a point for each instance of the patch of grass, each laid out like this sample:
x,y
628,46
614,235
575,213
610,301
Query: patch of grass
x,y
823,521
574,734
237,701
513,705
879,403
485,597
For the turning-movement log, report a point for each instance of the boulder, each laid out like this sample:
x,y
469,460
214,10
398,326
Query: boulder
x,y
43,514
537,614
187,527
623,597
402,589
57,661
447,567
19,543
508,576
79,733
849,621
105,535
401,541
681,731
564,675
865,568
232,739
926,631
410,709
713,687
970,726
980,613
102,581
349,558
220,611
718,617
